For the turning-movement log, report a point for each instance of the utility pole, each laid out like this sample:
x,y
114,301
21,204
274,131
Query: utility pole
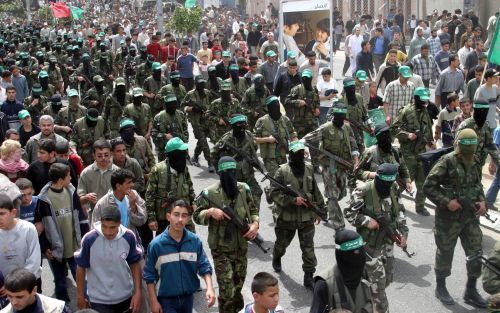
x,y
159,17
28,10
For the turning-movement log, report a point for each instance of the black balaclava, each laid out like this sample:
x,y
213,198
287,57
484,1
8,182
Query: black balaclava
x,y
40,58
239,130
127,134
225,95
44,82
385,177
200,87
99,86
419,104
133,53
52,64
157,74
177,160
338,119
307,82
259,85
171,106
102,48
384,141
273,109
56,103
351,262
137,100
479,115
176,81
120,91
228,177
235,76
24,62
91,117
103,61
86,62
296,162
124,52
350,94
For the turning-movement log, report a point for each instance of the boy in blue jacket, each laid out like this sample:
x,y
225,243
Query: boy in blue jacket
x,y
174,260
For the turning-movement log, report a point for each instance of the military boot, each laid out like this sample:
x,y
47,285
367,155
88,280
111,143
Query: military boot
x,y
442,293
277,264
211,168
195,161
308,281
471,296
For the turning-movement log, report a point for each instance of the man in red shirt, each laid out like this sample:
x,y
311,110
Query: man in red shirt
x,y
170,51
154,48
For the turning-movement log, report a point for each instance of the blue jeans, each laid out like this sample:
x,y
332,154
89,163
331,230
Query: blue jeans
x,y
180,304
59,271
492,193
120,307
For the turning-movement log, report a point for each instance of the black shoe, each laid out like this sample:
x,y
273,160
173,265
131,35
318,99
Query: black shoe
x,y
423,212
308,281
195,161
442,293
211,169
277,264
472,297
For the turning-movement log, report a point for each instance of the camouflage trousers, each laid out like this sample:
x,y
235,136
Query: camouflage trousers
x,y
416,170
272,166
446,233
255,189
216,133
231,270
200,133
335,181
285,232
380,272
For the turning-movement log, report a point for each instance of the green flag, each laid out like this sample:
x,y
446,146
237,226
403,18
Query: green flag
x,y
77,13
494,52
190,3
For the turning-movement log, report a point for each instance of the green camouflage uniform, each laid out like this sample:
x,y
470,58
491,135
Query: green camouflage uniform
x,y
245,172
340,142
105,69
180,92
141,151
35,109
359,114
254,107
304,119
164,188
113,113
272,154
448,179
409,120
197,118
293,218
67,117
93,95
380,249
55,76
142,72
141,116
491,281
238,89
485,144
49,92
163,124
221,109
151,85
229,253
83,137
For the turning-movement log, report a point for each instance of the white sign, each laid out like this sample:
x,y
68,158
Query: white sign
x,y
301,5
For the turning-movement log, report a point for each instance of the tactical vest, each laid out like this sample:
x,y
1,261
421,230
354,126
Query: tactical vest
x,y
272,150
336,141
195,116
244,171
164,123
413,121
304,115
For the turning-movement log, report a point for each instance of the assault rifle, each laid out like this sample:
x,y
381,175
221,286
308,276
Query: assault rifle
x,y
385,228
195,105
331,156
479,255
471,208
237,221
289,189
359,126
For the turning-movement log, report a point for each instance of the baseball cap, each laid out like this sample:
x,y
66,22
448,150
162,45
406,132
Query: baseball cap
x,y
423,93
226,54
126,122
72,93
23,114
120,81
405,71
175,144
270,53
361,75
137,92
237,118
98,79
296,146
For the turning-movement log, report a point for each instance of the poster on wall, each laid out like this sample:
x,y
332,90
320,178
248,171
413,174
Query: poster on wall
x,y
306,26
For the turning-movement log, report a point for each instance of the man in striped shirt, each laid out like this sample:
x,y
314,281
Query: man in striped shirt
x,y
398,93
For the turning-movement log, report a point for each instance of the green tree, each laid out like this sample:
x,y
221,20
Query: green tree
x,y
186,20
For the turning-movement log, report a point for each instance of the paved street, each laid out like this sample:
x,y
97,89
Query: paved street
x,y
413,286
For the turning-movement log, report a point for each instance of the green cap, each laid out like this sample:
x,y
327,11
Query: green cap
x,y
142,48
405,71
75,47
72,93
23,114
270,53
79,40
228,165
175,74
120,81
296,146
339,107
102,34
226,54
291,54
481,105
176,144
24,55
85,56
238,118
125,122
36,89
52,58
39,54
92,118
352,245
136,92
361,75
307,73
211,68
156,66
224,85
234,67
98,79
349,81
423,93
170,98
271,99
43,74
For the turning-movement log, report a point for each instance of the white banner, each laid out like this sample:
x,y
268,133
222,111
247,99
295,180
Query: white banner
x,y
301,5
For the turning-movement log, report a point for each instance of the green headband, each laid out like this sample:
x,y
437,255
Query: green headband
x,y
386,177
237,119
269,100
481,106
227,166
352,245
339,110
468,141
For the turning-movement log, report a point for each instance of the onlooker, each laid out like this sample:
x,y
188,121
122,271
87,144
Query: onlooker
x,y
185,64
442,57
445,121
47,132
388,72
375,100
285,82
450,80
473,84
312,65
11,107
489,92
364,60
327,90
269,69
434,43
20,83
464,51
64,153
425,65
472,58
265,293
354,47
65,223
11,163
398,94
379,48
174,260
416,43
114,291
492,193
465,112
27,128
123,161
